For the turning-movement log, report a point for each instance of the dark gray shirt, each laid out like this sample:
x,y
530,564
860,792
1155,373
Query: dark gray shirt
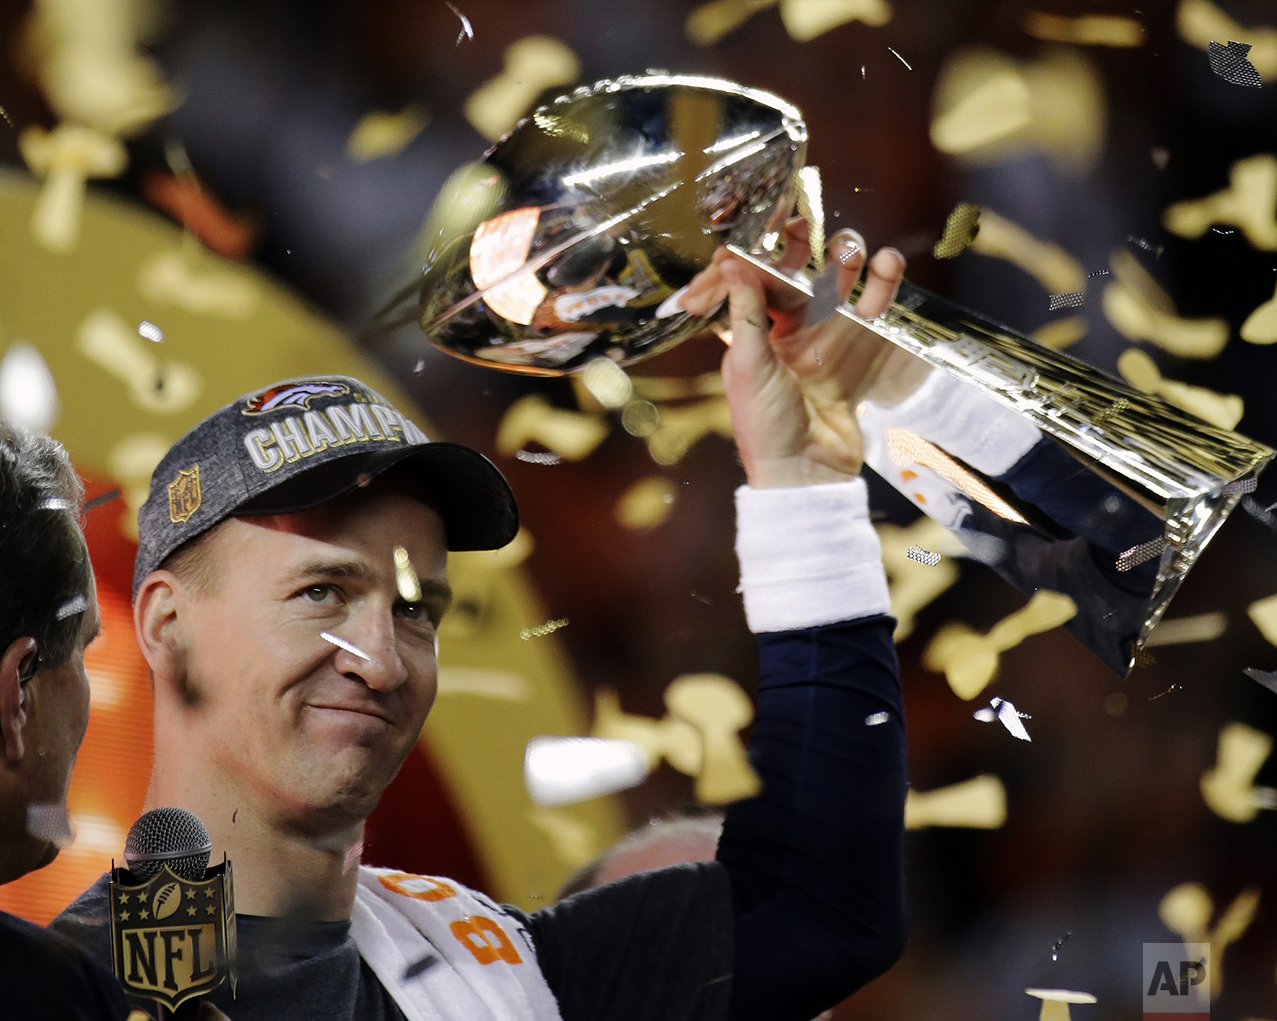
x,y
656,946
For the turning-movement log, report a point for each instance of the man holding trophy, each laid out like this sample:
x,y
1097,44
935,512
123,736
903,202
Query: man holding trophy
x,y
291,576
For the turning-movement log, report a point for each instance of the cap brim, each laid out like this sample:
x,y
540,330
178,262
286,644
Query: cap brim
x,y
478,508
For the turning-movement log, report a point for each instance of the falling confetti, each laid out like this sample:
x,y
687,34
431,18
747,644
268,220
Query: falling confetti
x,y
1247,203
1055,1002
607,382
1140,242
900,58
5,114
467,30
405,577
426,963
1259,513
1098,273
1003,711
353,854
341,643
543,629
1228,787
1073,299
73,606
1059,944
922,556
1173,687
150,331
960,230
1230,63
875,719
56,503
98,501
1268,678
537,457
1137,555
979,803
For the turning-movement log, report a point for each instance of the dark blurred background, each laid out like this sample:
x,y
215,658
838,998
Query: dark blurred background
x,y
1105,814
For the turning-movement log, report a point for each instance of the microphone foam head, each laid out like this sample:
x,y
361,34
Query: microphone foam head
x,y
172,837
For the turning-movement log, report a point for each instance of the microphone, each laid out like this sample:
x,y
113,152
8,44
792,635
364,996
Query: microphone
x,y
172,917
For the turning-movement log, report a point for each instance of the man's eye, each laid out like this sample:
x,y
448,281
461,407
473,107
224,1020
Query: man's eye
x,y
413,611
317,593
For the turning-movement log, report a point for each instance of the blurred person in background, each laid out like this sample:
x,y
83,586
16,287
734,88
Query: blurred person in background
x,y
48,616
294,666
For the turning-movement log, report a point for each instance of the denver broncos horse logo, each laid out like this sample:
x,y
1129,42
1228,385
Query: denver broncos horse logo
x,y
291,395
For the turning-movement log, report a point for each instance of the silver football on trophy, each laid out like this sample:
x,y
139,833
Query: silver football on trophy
x,y
580,225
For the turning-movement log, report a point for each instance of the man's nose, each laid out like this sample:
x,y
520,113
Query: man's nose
x,y
375,657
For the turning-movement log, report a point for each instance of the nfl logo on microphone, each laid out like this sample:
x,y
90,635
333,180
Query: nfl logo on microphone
x,y
1177,981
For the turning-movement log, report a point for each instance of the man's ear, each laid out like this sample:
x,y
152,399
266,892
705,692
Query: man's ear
x,y
155,620
15,661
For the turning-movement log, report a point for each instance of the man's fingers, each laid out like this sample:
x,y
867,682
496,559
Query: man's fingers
x,y
847,252
886,270
797,251
751,348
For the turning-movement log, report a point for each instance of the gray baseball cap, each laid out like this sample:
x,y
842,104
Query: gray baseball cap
x,y
297,445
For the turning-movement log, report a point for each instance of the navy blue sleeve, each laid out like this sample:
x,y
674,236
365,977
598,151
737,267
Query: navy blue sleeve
x,y
816,861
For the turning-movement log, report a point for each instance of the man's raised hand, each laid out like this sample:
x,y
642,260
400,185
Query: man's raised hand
x,y
793,388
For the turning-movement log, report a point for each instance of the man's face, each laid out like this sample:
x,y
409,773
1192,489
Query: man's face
x,y
307,732
57,705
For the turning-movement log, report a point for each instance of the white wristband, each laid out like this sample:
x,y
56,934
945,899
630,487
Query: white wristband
x,y
808,556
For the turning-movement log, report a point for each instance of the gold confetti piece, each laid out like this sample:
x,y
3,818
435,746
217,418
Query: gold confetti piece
x,y
646,504
28,392
1053,267
987,106
698,737
1248,203
811,208
1263,613
677,388
1140,309
1088,30
607,382
570,434
381,133
907,448
159,387
211,287
1186,910
969,660
641,418
805,20
979,803
532,65
1061,333
66,157
576,842
960,229
913,586
1260,326
1228,788
1200,23
709,22
718,708
1055,1002
541,630
1223,411
496,684
671,738
1203,627
406,579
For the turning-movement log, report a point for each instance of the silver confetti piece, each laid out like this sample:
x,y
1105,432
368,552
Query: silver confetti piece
x,y
1230,63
